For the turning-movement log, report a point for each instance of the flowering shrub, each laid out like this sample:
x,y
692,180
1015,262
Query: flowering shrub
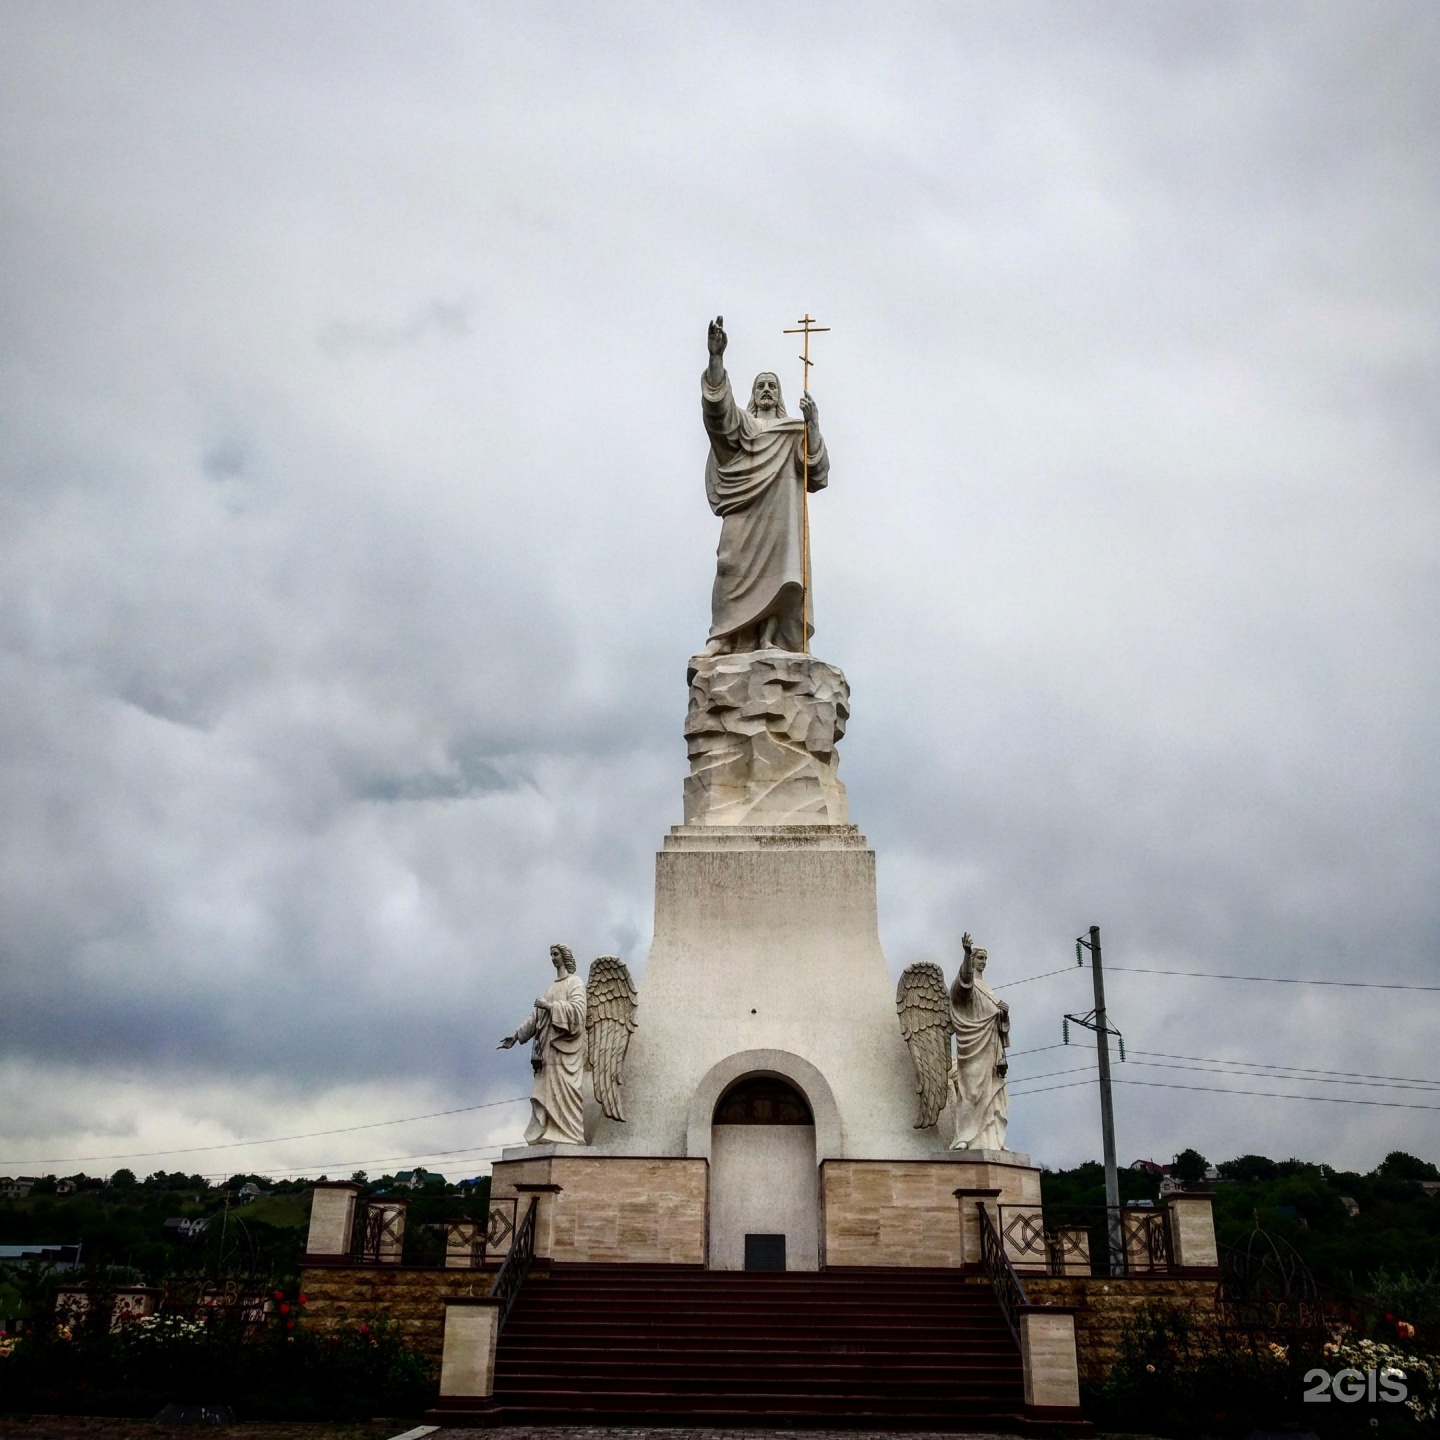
x,y
1179,1375
162,1329
1421,1373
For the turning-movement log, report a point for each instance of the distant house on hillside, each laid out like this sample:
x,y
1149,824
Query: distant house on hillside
x,y
251,1191
62,1257
1169,1183
16,1189
65,1187
418,1178
184,1228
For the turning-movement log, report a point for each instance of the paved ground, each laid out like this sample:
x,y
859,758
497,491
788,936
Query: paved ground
x,y
586,1432
95,1427
65,1427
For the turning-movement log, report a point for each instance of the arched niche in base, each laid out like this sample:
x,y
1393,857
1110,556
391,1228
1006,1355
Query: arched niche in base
x,y
798,1072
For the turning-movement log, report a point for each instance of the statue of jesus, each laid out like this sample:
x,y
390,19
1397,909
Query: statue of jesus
x,y
755,480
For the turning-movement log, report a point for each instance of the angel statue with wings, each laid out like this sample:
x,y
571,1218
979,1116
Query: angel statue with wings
x,y
574,1028
972,1078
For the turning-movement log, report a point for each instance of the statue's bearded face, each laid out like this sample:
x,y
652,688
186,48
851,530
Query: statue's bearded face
x,y
765,393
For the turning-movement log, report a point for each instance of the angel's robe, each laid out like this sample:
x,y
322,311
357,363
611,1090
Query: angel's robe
x,y
755,480
557,1102
977,1083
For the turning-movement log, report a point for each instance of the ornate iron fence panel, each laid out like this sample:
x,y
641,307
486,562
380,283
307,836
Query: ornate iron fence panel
x,y
1146,1239
377,1235
1022,1228
220,1276
1077,1240
500,1226
464,1244
1266,1287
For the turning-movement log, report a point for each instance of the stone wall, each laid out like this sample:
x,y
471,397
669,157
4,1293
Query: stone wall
x,y
1104,1307
414,1299
611,1209
905,1212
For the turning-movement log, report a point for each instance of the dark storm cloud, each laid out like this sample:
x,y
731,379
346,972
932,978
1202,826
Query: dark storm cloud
x,y
355,537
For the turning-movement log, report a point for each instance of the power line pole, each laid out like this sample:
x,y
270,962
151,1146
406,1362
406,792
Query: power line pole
x,y
1107,1103
1097,1021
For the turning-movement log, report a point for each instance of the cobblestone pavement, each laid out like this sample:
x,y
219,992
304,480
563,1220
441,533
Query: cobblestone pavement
x,y
102,1427
92,1427
619,1432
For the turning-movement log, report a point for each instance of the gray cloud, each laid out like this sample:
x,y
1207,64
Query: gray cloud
x,y
343,635
439,317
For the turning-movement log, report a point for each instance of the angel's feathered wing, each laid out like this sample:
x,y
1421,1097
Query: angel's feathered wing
x,y
924,1006
610,1001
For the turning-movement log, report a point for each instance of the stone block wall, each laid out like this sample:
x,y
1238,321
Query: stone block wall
x,y
1104,1307
613,1209
905,1212
342,1296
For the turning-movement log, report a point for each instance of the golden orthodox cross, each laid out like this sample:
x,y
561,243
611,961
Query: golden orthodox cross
x,y
806,327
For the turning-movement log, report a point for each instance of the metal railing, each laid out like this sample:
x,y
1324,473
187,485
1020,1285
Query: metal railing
x,y
384,1235
1000,1272
507,1283
377,1236
500,1226
1086,1240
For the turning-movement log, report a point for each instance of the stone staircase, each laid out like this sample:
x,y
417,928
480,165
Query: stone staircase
x,y
911,1348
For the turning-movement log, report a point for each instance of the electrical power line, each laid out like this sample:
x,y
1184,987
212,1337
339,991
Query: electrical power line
x,y
1263,979
1010,984
1267,1065
1225,1090
1305,1079
1280,1095
1049,1074
273,1140
1068,1085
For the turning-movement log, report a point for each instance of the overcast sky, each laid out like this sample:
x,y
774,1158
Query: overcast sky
x,y
353,535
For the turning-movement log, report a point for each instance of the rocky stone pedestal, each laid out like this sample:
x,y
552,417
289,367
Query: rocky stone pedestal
x,y
762,730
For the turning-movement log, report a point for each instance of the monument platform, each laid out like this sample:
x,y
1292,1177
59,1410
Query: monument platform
x,y
765,1099
768,1090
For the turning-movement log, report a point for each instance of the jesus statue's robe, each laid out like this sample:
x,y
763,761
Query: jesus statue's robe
x,y
754,480
557,1102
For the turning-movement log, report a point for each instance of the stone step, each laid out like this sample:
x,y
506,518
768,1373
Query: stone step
x,y
688,1371
736,1335
697,1346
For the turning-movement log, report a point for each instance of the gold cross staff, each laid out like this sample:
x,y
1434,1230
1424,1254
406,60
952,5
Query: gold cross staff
x,y
806,327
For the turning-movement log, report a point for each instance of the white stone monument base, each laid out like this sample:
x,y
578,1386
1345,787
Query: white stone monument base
x,y
659,1209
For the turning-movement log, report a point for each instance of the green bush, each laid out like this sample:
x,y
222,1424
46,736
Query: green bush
x,y
276,1374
